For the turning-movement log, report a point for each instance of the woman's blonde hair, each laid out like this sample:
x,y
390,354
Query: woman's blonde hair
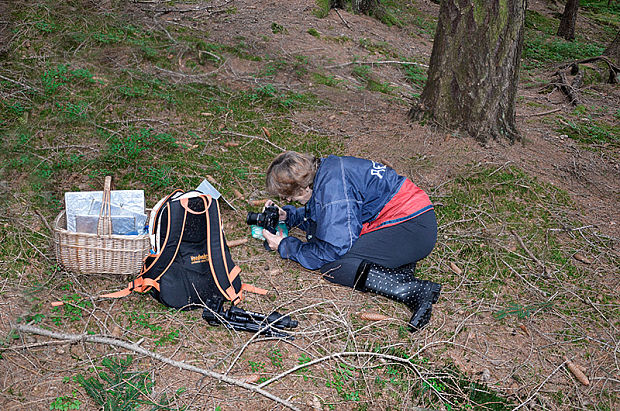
x,y
290,172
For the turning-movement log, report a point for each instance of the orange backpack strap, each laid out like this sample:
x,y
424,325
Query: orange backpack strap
x,y
252,289
224,271
140,285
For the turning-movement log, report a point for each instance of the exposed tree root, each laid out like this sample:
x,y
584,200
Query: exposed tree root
x,y
572,90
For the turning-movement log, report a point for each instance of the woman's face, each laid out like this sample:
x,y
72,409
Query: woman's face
x,y
302,196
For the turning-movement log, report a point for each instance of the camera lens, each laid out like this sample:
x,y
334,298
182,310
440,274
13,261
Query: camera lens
x,y
255,218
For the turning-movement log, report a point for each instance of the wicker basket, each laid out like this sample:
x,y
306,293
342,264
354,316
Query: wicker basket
x,y
101,253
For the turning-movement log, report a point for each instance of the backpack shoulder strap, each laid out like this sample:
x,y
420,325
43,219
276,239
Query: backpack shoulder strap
x,y
151,273
225,272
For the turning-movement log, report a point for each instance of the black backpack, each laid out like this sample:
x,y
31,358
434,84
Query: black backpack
x,y
190,264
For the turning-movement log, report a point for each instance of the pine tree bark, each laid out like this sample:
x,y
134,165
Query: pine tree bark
x,y
370,7
474,67
568,20
365,6
613,50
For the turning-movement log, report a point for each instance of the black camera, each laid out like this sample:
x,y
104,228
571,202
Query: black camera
x,y
268,219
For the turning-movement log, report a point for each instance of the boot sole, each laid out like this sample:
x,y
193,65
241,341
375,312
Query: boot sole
x,y
422,317
435,291
418,319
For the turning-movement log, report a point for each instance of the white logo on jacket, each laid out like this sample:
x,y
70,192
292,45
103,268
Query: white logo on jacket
x,y
377,169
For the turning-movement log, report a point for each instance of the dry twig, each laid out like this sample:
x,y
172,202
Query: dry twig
x,y
405,63
233,133
532,256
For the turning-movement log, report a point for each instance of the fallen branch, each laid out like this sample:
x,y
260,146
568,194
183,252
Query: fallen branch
x,y
410,63
189,76
232,133
44,220
538,389
544,113
235,243
20,83
135,348
532,256
343,20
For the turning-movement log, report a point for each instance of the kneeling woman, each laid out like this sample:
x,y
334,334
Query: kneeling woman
x,y
366,226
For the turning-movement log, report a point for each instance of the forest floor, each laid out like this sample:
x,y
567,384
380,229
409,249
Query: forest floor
x,y
528,232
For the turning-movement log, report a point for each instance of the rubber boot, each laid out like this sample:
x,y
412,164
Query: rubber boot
x,y
399,284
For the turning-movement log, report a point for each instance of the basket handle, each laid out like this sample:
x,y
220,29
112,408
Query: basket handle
x,y
104,224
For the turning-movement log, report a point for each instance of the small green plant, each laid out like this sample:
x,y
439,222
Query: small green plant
x,y
142,320
416,75
322,9
272,68
327,80
277,28
362,71
381,86
537,21
156,177
126,150
314,33
381,47
73,112
338,39
108,37
45,26
256,366
66,402
520,311
432,383
270,96
590,131
32,318
54,78
170,338
344,382
304,372
540,49
131,91
276,357
465,393
116,388
72,309
300,65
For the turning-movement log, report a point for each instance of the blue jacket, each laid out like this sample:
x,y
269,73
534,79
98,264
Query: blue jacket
x,y
347,192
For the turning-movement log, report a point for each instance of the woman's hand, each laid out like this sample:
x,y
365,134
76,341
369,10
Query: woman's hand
x,y
273,240
281,212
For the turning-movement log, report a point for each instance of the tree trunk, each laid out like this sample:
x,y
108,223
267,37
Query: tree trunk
x,y
365,6
474,67
358,6
613,50
567,23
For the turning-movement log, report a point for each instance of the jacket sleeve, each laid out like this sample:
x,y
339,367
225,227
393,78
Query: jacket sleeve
x,y
311,255
295,217
338,227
